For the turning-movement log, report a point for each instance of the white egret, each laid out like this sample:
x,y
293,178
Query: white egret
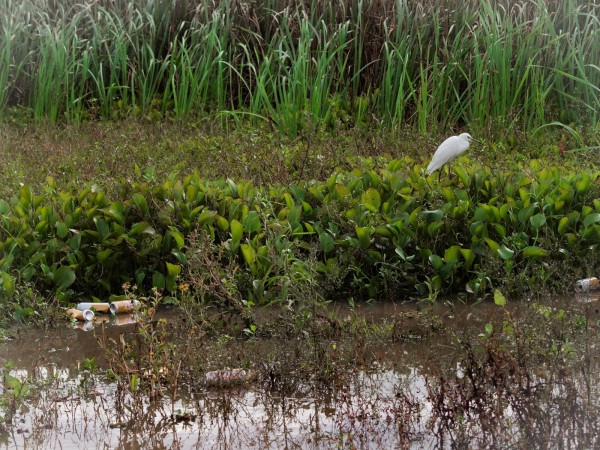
x,y
451,148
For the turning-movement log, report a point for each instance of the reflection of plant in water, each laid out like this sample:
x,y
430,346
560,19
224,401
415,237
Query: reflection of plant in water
x,y
145,363
14,392
519,384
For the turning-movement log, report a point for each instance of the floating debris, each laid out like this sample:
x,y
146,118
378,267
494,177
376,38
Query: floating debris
x,y
96,307
229,377
83,316
587,284
124,306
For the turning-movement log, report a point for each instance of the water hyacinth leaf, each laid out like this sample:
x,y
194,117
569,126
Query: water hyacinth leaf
x,y
233,188
173,269
249,254
252,222
371,199
433,216
327,242
493,245
500,230
158,280
434,227
341,191
114,213
583,184
179,239
452,254
75,242
469,256
437,262
222,223
8,284
139,276
206,217
590,219
364,237
64,277
141,203
537,221
237,229
436,283
140,228
481,214
4,207
463,176
170,283
534,251
505,252
294,214
61,230
103,255
26,195
499,298
102,227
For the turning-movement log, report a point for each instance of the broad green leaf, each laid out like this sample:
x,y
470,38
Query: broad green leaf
x,y
249,254
8,284
173,269
141,203
505,252
206,217
61,230
537,221
104,255
534,251
452,254
142,227
499,298
590,219
562,225
469,256
436,262
341,191
26,195
102,227
252,222
327,242
434,227
237,230
493,245
170,283
222,223
158,280
463,175
371,199
179,239
64,277
433,216
364,237
75,242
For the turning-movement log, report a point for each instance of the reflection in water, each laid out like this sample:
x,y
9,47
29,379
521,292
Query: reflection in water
x,y
528,385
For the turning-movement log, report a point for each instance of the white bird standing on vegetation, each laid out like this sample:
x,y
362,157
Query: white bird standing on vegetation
x,y
451,148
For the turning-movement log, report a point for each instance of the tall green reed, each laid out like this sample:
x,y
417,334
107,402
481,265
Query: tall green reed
x,y
426,64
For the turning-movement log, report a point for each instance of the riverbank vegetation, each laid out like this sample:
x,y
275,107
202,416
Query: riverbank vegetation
x,y
259,151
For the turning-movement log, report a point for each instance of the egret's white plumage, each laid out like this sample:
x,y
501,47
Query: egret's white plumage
x,y
448,150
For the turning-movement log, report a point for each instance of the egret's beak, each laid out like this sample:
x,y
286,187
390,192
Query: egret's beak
x,y
475,140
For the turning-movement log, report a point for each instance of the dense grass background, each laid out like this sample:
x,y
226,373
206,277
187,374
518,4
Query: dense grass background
x,y
430,64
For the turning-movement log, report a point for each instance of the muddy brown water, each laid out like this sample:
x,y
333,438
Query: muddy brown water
x,y
386,392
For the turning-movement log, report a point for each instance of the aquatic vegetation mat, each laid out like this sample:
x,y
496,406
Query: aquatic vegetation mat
x,y
379,232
